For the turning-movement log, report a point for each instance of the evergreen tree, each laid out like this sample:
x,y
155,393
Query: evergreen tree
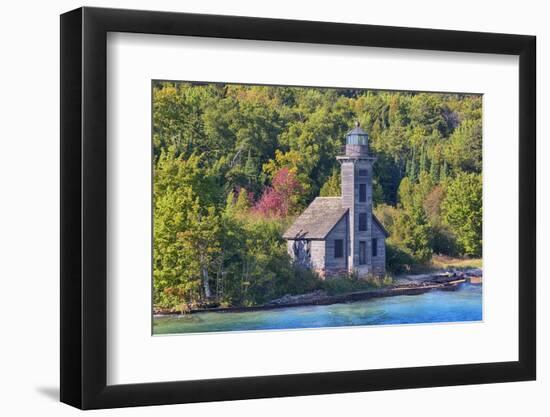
x,y
412,167
423,163
243,203
443,173
332,187
434,170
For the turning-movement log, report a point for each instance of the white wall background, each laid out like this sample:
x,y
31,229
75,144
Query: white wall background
x,y
29,213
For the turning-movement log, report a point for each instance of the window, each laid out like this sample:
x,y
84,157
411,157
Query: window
x,y
362,252
362,193
338,248
362,172
362,222
374,247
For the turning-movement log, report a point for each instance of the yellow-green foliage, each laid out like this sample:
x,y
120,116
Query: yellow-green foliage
x,y
332,187
445,262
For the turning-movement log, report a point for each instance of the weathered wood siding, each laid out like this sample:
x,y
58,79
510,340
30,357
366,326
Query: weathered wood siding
x,y
318,256
363,207
379,262
348,201
348,183
290,248
310,254
337,266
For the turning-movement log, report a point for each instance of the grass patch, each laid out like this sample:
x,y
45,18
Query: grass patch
x,y
446,262
347,284
442,262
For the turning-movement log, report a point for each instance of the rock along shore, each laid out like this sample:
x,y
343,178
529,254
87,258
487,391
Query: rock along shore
x,y
404,285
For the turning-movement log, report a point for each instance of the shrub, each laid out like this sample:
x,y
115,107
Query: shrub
x,y
397,260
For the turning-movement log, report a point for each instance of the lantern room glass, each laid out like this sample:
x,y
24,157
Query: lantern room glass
x,y
356,139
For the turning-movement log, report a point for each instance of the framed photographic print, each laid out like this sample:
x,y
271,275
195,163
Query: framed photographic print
x,y
256,208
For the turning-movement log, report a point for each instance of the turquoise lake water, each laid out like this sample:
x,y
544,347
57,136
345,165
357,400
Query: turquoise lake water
x,y
435,306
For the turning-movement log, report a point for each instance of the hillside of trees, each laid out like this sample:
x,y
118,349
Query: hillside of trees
x,y
234,164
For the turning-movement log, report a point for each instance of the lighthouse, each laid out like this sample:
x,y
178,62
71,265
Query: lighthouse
x,y
356,173
340,235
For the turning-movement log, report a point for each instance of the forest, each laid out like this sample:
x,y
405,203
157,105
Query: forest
x,y
233,165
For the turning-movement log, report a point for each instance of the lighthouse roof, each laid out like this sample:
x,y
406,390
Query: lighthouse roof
x,y
357,136
357,130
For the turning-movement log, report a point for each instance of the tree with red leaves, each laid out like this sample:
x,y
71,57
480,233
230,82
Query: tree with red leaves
x,y
280,199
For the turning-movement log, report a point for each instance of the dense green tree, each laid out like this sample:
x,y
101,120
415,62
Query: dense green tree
x,y
185,194
462,211
411,229
200,243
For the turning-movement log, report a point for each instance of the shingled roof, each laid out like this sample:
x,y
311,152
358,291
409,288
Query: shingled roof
x,y
317,220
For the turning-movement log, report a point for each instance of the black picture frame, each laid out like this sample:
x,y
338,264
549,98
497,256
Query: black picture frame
x,y
84,207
